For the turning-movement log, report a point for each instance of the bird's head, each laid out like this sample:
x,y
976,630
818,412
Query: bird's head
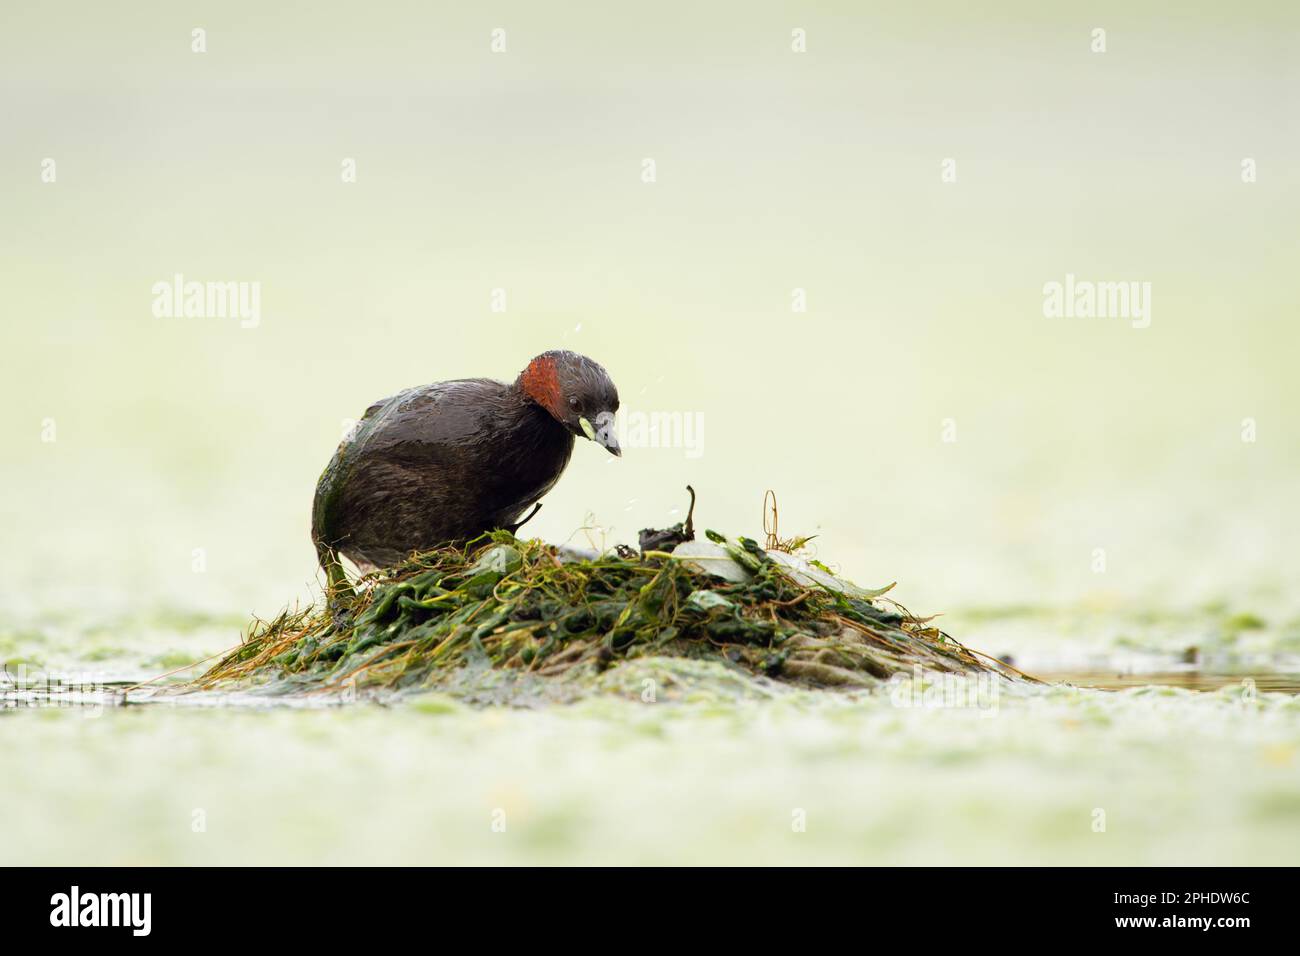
x,y
577,392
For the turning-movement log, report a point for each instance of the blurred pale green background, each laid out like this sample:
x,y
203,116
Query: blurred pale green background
x,y
775,170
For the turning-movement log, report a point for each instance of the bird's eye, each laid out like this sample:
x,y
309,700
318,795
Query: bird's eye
x,y
573,403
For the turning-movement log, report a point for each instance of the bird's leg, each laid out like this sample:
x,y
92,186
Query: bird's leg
x,y
339,595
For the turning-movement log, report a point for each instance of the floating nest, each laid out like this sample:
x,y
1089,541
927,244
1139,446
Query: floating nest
x,y
513,611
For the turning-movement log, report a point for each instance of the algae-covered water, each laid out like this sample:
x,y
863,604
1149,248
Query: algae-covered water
x,y
717,767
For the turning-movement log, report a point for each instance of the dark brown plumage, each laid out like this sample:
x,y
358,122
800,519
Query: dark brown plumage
x,y
445,462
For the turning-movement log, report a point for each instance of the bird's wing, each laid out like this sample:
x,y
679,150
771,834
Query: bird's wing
x,y
441,413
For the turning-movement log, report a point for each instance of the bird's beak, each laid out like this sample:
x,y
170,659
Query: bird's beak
x,y
602,436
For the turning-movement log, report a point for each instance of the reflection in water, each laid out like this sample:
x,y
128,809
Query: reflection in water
x,y
1188,680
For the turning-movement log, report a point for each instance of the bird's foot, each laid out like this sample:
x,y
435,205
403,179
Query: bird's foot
x,y
342,609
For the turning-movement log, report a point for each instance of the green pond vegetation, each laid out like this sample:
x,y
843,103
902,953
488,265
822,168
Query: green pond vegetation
x,y
523,610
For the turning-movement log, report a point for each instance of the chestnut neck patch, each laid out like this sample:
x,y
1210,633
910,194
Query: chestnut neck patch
x,y
541,383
